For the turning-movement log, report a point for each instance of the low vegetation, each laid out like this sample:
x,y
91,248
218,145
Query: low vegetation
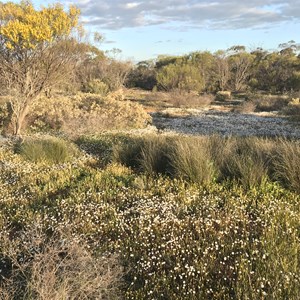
x,y
90,208
142,217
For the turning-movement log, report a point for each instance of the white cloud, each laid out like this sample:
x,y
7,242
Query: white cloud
x,y
222,14
130,5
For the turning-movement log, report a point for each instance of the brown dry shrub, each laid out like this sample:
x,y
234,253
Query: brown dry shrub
x,y
246,107
223,96
59,267
269,102
87,113
180,98
293,108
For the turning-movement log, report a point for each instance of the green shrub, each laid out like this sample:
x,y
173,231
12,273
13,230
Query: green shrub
x,y
96,86
50,150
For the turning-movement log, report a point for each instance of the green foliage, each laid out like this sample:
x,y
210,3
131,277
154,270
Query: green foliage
x,y
233,69
176,240
191,160
180,76
49,150
142,76
96,86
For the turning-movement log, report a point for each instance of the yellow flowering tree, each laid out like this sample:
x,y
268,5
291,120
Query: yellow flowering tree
x,y
38,49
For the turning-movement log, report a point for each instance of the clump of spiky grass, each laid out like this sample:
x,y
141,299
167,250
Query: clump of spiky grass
x,y
245,160
154,155
49,149
191,160
287,164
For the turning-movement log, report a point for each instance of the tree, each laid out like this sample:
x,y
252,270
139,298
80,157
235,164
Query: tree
x,y
38,49
205,62
181,75
222,72
240,64
142,75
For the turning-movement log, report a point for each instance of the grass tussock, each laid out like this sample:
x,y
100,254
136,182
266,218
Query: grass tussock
x,y
249,161
191,160
50,150
287,164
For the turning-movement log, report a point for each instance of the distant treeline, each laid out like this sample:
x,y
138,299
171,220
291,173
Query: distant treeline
x,y
234,69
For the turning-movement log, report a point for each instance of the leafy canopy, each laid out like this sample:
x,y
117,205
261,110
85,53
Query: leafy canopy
x,y
23,27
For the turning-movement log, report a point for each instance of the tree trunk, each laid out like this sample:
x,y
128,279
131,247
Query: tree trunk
x,y
19,121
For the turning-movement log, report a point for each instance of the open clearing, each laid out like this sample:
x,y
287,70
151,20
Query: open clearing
x,y
217,120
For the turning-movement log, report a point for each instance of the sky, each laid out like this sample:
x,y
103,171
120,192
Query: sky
x,y
144,29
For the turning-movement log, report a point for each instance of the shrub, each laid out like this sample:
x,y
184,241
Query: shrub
x,y
88,113
96,86
268,102
51,150
246,107
293,108
223,96
56,267
184,99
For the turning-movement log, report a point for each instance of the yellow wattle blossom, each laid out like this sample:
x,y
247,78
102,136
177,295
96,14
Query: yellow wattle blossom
x,y
25,27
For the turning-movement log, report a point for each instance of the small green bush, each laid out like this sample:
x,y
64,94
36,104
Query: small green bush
x,y
96,86
50,150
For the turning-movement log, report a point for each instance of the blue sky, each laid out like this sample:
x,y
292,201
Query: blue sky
x,y
143,29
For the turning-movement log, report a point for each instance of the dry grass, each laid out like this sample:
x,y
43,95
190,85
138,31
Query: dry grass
x,y
269,102
178,98
55,268
246,107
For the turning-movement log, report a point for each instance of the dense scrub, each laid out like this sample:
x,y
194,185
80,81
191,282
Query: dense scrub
x,y
152,226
